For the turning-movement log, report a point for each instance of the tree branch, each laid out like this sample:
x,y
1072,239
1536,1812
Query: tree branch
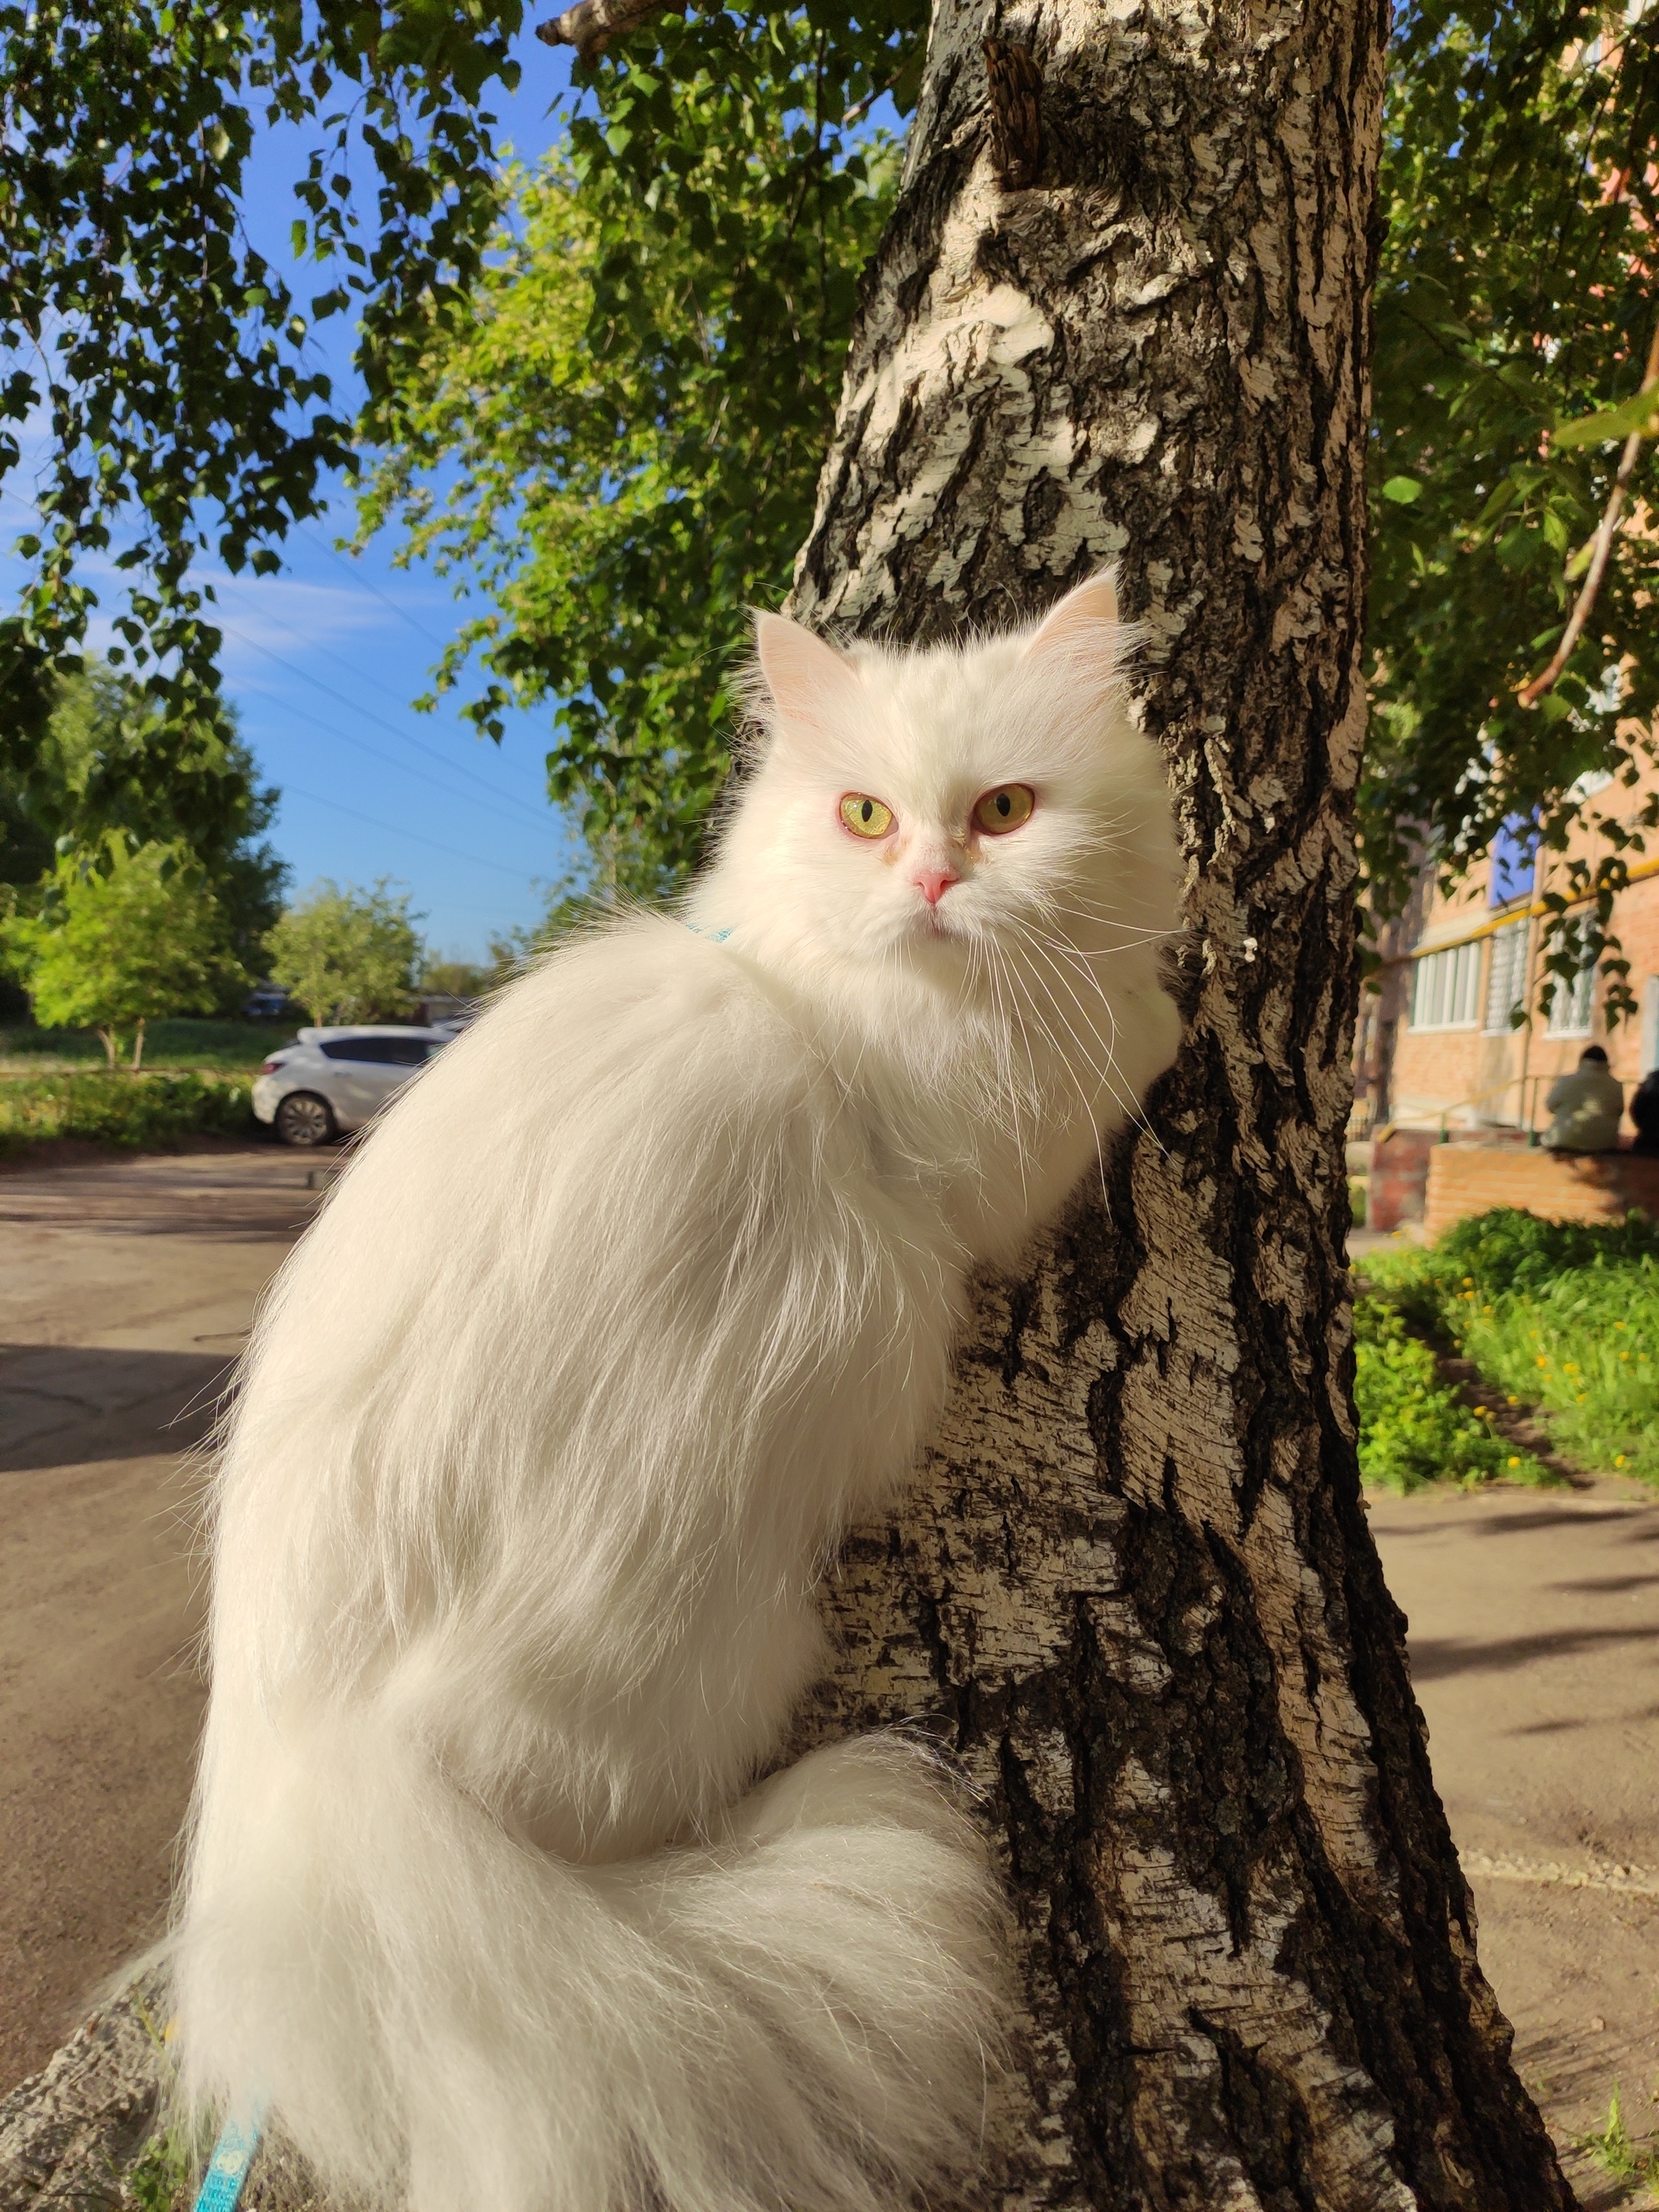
x,y
1601,550
591,25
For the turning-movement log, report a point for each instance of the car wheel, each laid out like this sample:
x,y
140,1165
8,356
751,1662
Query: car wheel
x,y
303,1118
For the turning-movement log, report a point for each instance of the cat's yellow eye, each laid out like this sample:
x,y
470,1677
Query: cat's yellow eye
x,y
865,816
1003,809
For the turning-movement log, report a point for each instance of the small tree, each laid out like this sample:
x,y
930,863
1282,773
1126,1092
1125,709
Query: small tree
x,y
347,954
112,951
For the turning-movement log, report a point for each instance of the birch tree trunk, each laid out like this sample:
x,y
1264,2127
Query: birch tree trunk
x,y
1122,313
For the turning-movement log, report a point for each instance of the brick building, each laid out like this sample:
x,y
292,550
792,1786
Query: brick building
x,y
1437,1048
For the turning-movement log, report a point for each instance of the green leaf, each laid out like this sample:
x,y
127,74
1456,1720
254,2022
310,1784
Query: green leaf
x,y
1640,412
1404,491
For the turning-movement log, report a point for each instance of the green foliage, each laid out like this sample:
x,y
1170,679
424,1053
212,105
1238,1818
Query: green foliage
x,y
1562,1316
183,1043
143,1112
1617,2152
104,766
629,425
1515,296
165,353
609,420
347,954
1413,1428
113,950
162,2177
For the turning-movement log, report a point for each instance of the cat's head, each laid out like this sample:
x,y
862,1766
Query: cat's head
x,y
911,806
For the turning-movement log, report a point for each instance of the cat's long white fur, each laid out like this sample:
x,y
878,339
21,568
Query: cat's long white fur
x,y
644,1291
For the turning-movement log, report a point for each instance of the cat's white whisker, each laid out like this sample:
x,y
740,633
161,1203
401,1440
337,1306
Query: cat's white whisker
x,y
1134,1113
1105,1076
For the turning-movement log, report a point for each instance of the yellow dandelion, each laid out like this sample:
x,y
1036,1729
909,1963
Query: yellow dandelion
x,y
1511,1402
1619,1459
1515,1463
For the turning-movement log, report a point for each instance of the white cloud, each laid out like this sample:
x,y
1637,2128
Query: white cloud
x,y
284,615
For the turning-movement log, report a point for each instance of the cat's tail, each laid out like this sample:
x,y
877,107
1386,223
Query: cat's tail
x,y
804,2015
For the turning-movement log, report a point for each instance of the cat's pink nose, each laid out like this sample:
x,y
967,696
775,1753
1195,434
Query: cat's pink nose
x,y
933,883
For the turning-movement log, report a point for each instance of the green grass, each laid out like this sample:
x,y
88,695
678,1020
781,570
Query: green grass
x,y
229,1045
1617,2152
162,2177
136,1112
1563,1317
1415,1429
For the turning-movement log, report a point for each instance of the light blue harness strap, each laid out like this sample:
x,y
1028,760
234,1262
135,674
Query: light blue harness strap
x,y
233,2154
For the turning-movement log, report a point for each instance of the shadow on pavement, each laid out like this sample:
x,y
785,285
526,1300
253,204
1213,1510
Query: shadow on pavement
x,y
1516,1524
64,1404
1432,1659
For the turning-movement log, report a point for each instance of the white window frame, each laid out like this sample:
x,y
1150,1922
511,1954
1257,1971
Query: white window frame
x,y
1446,988
1572,1010
1514,937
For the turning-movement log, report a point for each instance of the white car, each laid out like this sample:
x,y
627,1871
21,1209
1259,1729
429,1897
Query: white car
x,y
330,1081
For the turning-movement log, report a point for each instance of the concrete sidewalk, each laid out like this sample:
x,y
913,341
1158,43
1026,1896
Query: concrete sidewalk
x,y
126,1289
1534,1650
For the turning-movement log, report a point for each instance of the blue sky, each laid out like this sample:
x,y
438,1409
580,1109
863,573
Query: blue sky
x,y
323,660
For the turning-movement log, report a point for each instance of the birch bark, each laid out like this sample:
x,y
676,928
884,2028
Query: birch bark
x,y
1122,313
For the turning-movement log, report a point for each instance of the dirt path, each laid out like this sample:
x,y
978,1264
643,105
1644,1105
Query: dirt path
x,y
126,1289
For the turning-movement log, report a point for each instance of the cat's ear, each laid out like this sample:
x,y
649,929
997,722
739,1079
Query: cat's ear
x,y
1084,627
807,678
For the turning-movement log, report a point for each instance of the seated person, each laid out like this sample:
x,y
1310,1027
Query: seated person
x,y
1586,1105
1645,1112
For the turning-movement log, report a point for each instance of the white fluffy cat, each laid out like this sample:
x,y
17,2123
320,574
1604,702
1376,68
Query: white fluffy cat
x,y
548,1430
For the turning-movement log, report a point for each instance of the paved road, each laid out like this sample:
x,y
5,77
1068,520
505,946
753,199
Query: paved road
x,y
126,1289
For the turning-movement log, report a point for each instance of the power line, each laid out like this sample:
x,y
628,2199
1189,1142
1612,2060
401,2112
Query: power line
x,y
338,658
415,837
368,714
363,584
417,744
378,752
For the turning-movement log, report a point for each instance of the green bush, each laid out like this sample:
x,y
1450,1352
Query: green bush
x,y
1563,1315
133,1110
1413,1428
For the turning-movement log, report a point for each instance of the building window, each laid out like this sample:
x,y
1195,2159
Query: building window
x,y
1446,989
1506,978
1570,1010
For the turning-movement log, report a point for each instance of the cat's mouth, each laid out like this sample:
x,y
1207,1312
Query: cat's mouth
x,y
933,925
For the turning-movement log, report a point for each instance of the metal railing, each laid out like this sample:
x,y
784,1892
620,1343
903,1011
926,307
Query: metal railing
x,y
1528,1125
